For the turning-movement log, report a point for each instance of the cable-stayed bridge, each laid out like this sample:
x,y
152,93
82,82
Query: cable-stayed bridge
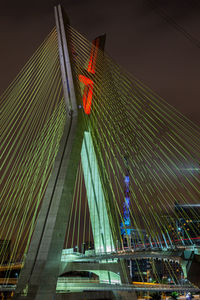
x,y
98,169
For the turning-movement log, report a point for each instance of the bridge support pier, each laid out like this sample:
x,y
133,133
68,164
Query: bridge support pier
x,y
186,261
190,263
115,272
126,295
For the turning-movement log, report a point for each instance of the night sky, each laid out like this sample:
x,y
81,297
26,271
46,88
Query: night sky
x,y
157,41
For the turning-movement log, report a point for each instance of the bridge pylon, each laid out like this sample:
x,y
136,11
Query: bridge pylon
x,y
38,278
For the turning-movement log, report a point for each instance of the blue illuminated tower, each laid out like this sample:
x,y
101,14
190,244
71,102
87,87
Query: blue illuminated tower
x,y
126,224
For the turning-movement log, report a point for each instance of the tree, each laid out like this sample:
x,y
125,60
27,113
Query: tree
x,y
155,296
174,295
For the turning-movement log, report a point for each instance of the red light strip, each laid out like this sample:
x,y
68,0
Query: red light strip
x,y
93,56
88,90
87,93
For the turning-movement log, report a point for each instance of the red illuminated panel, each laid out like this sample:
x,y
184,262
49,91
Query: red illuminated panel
x,y
93,56
87,93
88,90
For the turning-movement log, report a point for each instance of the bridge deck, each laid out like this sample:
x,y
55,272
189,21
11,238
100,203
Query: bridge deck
x,y
64,286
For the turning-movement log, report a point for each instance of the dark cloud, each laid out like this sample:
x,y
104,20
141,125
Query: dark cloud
x,y
24,9
142,36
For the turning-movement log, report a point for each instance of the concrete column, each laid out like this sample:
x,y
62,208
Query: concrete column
x,y
39,276
102,234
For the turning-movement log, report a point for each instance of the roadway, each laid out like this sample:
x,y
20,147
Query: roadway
x,y
166,253
64,285
172,255
11,266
